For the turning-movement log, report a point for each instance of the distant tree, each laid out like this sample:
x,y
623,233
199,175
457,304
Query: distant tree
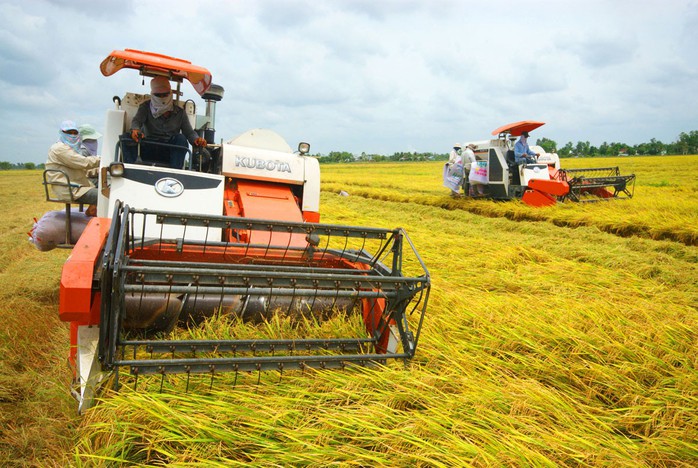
x,y
566,150
582,148
655,147
548,145
5,166
29,165
688,142
604,149
337,156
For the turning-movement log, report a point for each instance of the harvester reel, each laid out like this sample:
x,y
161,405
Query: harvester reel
x,y
149,285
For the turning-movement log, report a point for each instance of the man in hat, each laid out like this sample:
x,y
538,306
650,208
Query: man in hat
x,y
64,156
88,139
159,120
523,154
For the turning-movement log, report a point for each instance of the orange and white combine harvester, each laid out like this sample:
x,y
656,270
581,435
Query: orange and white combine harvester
x,y
235,233
544,183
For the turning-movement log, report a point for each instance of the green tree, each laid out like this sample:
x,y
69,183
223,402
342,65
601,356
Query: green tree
x,y
655,147
548,145
688,142
566,150
604,149
5,166
582,148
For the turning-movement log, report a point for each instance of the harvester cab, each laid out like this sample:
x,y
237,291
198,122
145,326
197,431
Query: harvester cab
x,y
235,235
544,182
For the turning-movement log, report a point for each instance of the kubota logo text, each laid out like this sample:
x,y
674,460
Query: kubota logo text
x,y
268,164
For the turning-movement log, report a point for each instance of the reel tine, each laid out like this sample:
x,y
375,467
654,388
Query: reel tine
x,y
363,245
288,245
293,297
206,237
162,227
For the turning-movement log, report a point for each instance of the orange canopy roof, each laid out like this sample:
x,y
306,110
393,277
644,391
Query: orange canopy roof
x,y
152,64
516,128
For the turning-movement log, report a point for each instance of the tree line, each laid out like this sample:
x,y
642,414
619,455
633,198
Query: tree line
x,y
8,166
687,143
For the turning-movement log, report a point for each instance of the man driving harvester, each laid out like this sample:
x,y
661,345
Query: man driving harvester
x,y
523,154
161,129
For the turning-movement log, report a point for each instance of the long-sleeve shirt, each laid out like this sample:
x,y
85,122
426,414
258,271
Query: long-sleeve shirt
x,y
453,156
75,165
468,158
521,150
163,127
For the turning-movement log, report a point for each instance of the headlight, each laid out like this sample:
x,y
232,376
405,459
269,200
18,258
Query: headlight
x,y
116,169
303,148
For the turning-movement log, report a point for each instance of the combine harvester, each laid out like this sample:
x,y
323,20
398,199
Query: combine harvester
x,y
544,183
235,234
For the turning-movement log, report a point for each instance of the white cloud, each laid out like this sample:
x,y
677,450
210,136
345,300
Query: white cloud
x,y
361,75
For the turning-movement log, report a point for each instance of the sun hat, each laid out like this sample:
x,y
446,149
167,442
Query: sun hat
x,y
87,132
68,125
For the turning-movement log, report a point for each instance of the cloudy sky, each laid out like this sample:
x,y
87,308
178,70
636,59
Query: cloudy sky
x,y
374,76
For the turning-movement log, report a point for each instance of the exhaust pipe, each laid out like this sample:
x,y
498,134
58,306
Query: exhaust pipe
x,y
213,95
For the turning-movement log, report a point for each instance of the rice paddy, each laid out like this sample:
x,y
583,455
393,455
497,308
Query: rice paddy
x,y
564,336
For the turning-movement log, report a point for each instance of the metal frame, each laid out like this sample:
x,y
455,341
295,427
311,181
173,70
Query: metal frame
x,y
588,180
119,152
131,266
50,198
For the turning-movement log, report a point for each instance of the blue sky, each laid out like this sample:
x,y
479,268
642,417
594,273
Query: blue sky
x,y
365,75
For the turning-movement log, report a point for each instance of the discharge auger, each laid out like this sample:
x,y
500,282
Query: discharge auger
x,y
235,236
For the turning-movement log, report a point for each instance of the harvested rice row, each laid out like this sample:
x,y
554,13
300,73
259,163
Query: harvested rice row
x,y
660,210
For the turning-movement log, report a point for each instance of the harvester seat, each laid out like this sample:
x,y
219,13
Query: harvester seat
x,y
61,179
513,168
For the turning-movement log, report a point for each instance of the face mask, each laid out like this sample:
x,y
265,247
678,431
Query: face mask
x,y
71,140
159,106
91,146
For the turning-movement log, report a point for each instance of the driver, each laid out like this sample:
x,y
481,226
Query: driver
x,y
159,120
523,154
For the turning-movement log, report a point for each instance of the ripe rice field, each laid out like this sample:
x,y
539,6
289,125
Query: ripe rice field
x,y
561,336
